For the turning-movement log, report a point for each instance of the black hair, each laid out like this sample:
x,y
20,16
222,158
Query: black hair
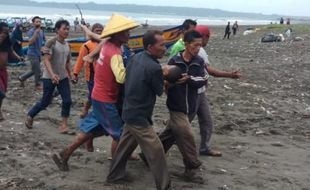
x,y
34,18
187,23
191,36
59,23
149,37
96,25
6,44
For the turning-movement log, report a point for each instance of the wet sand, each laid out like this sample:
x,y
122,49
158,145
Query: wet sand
x,y
261,126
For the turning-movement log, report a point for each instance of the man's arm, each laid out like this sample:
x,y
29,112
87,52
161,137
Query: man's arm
x,y
33,37
47,62
157,81
79,62
14,55
118,68
91,56
218,73
68,65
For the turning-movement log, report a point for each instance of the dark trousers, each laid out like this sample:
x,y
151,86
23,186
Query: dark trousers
x,y
204,119
35,70
179,131
234,31
48,88
227,34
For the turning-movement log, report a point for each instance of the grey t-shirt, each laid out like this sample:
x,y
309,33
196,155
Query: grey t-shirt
x,y
60,54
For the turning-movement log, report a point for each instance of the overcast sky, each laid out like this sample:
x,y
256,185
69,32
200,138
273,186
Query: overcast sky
x,y
282,7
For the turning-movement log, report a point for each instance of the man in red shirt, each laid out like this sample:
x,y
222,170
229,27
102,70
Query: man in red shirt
x,y
109,74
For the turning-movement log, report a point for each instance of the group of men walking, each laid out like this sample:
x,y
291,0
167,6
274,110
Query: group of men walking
x,y
143,79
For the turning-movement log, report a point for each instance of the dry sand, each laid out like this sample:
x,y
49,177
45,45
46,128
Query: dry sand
x,y
261,125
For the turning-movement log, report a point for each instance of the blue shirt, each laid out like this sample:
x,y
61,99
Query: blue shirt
x,y
35,48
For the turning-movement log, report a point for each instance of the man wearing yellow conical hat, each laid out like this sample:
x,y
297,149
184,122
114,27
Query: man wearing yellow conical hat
x,y
109,74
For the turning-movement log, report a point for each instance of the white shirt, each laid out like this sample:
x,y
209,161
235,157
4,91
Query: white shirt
x,y
203,54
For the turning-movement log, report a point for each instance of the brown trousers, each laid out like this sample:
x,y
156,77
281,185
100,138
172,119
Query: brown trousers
x,y
179,131
151,147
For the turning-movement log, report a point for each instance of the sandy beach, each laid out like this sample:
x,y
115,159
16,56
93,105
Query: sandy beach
x,y
262,125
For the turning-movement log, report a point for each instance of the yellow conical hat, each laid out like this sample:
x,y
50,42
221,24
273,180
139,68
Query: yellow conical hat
x,y
118,23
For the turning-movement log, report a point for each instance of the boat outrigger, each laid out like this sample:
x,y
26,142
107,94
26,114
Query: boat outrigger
x,y
135,43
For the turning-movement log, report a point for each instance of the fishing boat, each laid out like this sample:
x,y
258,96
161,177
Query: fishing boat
x,y
135,43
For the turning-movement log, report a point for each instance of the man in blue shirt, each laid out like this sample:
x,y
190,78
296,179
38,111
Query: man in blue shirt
x,y
36,40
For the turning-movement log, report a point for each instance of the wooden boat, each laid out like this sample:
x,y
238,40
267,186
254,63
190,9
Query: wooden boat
x,y
135,43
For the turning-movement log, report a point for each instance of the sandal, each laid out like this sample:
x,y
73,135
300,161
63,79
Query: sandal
x,y
211,152
67,132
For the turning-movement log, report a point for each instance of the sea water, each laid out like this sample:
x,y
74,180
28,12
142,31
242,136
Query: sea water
x,y
93,16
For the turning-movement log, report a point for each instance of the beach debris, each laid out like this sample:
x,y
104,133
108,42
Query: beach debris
x,y
272,38
288,32
225,187
297,39
223,170
16,123
259,132
236,147
249,30
278,144
227,87
244,168
230,104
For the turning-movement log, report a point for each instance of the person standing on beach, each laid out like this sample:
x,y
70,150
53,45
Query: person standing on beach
x,y
76,24
187,25
6,51
109,74
144,80
235,28
202,109
89,72
36,40
57,74
17,39
227,31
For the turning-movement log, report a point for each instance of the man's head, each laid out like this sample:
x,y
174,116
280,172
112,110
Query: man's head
x,y
204,32
154,43
121,37
4,33
118,28
193,42
36,21
188,25
62,28
97,28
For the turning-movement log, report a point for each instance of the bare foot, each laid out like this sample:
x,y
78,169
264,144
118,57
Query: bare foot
x,y
29,122
60,162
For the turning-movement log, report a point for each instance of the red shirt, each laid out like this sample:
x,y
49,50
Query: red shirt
x,y
108,69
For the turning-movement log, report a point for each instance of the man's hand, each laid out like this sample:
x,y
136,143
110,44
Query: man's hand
x,y
165,69
55,79
88,59
75,79
235,74
183,79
